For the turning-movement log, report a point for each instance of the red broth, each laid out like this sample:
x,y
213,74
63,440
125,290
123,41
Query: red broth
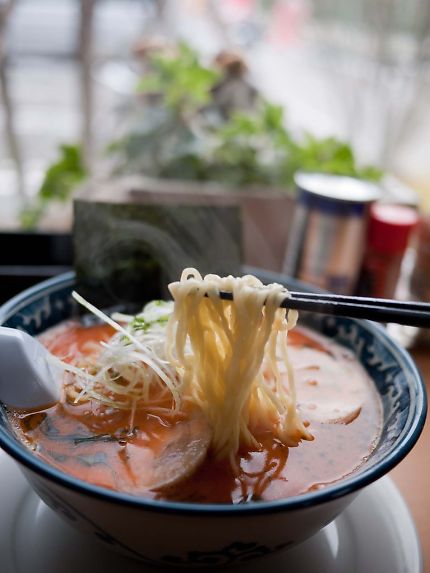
x,y
95,443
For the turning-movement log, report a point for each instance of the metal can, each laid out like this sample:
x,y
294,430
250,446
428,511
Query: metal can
x,y
327,238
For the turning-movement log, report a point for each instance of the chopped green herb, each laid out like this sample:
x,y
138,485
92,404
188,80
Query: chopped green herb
x,y
139,323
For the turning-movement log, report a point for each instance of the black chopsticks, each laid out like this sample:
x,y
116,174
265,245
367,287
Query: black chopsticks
x,y
410,313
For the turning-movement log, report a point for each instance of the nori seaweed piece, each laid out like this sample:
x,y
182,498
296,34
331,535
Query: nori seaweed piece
x,y
128,253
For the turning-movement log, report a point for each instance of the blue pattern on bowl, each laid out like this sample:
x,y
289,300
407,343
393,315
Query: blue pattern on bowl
x,y
235,552
41,306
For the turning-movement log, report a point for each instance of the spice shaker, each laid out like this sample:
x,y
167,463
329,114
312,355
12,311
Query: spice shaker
x,y
327,237
389,231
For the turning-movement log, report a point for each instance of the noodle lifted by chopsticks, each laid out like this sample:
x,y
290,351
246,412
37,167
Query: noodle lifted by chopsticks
x,y
228,354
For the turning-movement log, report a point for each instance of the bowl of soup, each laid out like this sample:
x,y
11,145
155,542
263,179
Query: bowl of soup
x,y
361,396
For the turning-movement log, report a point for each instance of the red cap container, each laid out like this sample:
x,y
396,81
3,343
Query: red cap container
x,y
390,227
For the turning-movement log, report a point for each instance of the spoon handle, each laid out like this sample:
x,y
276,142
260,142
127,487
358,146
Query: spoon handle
x,y
28,378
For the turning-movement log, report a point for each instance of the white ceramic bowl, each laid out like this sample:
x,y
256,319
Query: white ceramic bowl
x,y
186,534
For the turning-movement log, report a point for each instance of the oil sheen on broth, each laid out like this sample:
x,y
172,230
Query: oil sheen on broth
x,y
95,443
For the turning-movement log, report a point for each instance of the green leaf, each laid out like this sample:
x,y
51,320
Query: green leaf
x,y
273,116
182,81
60,180
64,175
150,83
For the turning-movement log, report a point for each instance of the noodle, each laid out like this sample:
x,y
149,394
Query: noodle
x,y
221,358
227,355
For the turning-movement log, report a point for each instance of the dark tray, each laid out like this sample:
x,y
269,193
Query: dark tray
x,y
28,258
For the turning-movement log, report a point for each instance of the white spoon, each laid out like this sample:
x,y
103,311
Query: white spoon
x,y
28,378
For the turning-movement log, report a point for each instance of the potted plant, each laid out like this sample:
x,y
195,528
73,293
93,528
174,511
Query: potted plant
x,y
202,132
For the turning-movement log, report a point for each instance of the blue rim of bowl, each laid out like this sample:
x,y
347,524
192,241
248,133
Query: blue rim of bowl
x,y
362,478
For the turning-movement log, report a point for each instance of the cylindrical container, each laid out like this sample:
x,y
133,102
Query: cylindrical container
x,y
389,231
419,284
420,279
327,237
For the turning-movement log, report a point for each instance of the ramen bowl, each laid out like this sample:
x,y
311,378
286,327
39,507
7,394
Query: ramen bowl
x,y
189,534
